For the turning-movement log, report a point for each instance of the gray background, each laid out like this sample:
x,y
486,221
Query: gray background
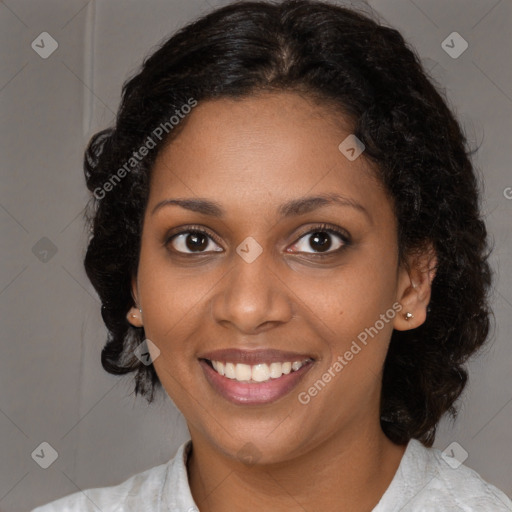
x,y
52,386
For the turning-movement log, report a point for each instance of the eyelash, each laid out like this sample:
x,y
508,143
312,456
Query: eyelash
x,y
322,228
331,229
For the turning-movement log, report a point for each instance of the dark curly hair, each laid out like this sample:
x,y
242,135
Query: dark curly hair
x,y
343,58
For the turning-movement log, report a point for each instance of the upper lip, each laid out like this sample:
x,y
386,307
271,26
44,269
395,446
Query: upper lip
x,y
251,357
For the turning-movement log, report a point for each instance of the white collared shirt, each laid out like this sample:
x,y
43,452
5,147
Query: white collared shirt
x,y
424,482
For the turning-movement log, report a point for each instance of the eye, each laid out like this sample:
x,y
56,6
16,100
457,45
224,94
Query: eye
x,y
194,240
320,241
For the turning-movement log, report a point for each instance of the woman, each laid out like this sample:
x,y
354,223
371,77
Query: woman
x,y
286,238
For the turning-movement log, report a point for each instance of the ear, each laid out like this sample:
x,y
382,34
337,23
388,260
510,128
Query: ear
x,y
134,315
415,277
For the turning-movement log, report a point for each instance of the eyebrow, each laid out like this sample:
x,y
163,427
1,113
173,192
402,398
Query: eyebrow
x,y
290,208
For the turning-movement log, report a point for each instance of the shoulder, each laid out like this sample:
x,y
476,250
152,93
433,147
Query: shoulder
x,y
430,481
141,492
458,487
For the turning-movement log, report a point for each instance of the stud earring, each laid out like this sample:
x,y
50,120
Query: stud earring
x,y
408,316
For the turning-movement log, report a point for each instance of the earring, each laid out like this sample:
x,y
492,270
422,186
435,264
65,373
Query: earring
x,y
135,316
408,316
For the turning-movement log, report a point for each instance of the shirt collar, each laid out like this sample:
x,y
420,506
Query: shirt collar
x,y
176,492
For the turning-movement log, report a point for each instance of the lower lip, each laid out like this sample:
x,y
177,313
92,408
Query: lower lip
x,y
247,393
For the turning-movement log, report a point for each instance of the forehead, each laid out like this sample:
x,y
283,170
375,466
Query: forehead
x,y
259,147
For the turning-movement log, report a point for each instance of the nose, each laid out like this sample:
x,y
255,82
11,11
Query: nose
x,y
252,298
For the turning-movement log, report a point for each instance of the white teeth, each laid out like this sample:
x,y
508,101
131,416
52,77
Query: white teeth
x,y
261,372
229,370
286,368
242,372
275,370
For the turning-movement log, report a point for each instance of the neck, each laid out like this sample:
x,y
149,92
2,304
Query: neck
x,y
349,472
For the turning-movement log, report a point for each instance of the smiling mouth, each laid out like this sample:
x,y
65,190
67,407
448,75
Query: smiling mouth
x,y
257,373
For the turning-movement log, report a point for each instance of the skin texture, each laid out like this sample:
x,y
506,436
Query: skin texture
x,y
250,156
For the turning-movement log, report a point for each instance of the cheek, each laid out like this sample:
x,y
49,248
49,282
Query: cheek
x,y
353,307
352,297
172,320
170,295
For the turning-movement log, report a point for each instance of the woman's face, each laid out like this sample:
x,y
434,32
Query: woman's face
x,y
260,289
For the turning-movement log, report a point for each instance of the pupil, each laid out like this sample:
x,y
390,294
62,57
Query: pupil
x,y
196,241
321,239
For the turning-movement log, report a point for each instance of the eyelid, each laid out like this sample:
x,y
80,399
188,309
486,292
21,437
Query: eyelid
x,y
181,230
322,227
325,228
329,228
